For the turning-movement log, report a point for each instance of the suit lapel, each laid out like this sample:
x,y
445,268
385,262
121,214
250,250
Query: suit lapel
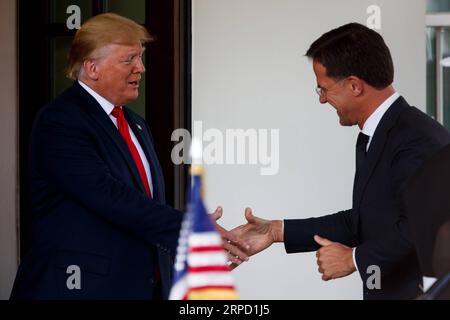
x,y
376,148
147,147
91,107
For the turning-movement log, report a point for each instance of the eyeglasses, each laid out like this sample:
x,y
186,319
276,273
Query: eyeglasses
x,y
322,91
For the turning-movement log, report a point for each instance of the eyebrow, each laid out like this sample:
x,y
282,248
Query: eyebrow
x,y
133,54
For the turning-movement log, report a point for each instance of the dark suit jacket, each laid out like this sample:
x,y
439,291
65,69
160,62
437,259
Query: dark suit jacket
x,y
89,207
427,201
377,224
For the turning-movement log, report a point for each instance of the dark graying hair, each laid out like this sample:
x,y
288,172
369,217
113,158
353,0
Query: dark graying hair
x,y
354,50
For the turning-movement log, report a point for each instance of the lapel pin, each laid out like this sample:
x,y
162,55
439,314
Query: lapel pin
x,y
139,127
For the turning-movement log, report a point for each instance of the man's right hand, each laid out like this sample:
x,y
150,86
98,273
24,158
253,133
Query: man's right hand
x,y
258,233
234,246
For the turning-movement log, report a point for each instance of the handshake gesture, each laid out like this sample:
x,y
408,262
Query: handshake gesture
x,y
334,259
248,239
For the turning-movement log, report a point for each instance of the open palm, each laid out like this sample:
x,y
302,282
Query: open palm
x,y
257,233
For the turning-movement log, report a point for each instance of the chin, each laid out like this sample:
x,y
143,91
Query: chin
x,y
132,98
345,123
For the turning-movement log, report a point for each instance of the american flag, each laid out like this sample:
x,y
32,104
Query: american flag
x,y
201,269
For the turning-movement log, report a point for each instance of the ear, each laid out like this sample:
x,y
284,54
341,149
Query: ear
x,y
90,69
357,85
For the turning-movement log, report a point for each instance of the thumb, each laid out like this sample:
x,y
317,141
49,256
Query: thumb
x,y
249,215
322,241
216,215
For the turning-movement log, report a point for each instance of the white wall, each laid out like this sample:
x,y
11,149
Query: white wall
x,y
249,72
8,147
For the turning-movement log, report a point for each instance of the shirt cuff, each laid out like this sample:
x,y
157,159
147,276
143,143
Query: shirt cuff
x,y
427,283
354,259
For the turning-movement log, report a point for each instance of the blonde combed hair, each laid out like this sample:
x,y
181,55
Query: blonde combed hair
x,y
98,32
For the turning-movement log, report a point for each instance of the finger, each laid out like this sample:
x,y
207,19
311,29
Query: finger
x,y
249,215
326,278
321,253
322,241
235,251
234,260
229,236
232,266
226,234
216,215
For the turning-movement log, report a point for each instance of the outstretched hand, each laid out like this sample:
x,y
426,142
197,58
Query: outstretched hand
x,y
231,243
258,233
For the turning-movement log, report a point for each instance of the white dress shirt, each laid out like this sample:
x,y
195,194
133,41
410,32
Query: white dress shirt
x,y
372,122
108,108
369,128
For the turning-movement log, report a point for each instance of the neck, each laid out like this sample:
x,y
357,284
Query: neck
x,y
373,100
88,82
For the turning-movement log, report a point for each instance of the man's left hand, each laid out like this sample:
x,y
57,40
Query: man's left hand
x,y
334,259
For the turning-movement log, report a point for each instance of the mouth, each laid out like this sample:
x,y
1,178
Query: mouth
x,y
134,84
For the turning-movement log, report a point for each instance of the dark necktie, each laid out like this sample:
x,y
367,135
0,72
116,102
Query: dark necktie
x,y
122,125
361,146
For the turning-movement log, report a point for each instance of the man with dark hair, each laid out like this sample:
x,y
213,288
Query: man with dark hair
x,y
354,72
354,50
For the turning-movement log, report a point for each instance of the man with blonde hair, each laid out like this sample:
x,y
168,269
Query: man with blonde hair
x,y
101,228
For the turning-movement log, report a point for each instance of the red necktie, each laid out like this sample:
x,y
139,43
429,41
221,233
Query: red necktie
x,y
125,133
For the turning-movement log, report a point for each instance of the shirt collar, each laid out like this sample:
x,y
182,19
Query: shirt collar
x,y
372,122
105,104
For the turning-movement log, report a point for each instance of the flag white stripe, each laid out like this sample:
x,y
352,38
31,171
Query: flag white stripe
x,y
202,279
205,259
179,289
204,239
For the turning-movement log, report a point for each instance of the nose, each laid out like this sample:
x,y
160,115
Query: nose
x,y
140,68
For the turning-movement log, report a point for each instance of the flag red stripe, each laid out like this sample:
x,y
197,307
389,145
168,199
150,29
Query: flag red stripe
x,y
206,249
211,287
209,269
